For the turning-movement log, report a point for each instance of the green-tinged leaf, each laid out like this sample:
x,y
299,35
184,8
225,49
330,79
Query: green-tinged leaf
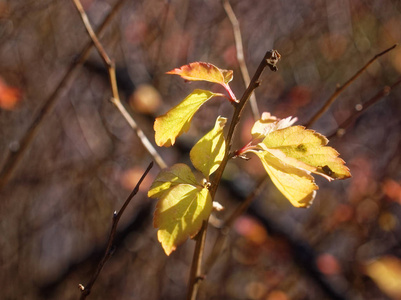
x,y
170,177
179,214
209,151
178,119
308,147
203,71
297,185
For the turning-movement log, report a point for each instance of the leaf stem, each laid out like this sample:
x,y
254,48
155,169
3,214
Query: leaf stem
x,y
341,88
269,60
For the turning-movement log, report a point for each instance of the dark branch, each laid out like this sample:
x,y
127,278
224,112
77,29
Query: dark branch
x,y
85,290
341,88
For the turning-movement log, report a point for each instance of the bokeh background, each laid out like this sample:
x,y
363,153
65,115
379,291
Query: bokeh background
x,y
56,209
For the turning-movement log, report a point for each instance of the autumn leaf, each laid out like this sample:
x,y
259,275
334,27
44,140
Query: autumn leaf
x,y
209,151
201,71
290,153
308,147
179,214
178,119
269,123
297,185
170,177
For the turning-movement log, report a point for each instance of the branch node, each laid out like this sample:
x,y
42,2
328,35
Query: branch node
x,y
273,60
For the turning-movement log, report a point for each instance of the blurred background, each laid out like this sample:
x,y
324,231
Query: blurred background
x,y
56,208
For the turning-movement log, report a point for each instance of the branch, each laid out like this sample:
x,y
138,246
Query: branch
x,y
113,83
269,60
85,290
240,55
384,92
13,158
340,89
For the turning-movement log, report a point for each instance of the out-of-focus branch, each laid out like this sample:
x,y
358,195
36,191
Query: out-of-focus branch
x,y
226,225
113,83
240,55
85,290
13,158
341,88
360,109
269,60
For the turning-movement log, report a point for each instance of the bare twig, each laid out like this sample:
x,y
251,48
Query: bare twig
x,y
359,110
113,83
341,88
85,290
240,55
269,60
13,158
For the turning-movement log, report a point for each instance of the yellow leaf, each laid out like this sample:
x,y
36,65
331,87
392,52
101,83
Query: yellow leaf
x,y
269,123
178,119
209,151
170,177
179,214
297,185
203,71
309,148
386,273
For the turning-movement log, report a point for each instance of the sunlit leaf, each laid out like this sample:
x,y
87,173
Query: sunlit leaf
x,y
178,119
170,177
179,214
297,185
269,123
209,151
290,153
203,71
386,273
308,147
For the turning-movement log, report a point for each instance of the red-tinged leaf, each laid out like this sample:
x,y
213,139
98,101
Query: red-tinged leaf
x,y
201,71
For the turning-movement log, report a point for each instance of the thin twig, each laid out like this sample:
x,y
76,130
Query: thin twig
x,y
113,83
85,290
13,158
341,130
269,60
340,89
240,55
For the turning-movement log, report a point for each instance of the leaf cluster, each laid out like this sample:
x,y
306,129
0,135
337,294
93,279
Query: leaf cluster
x,y
289,153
